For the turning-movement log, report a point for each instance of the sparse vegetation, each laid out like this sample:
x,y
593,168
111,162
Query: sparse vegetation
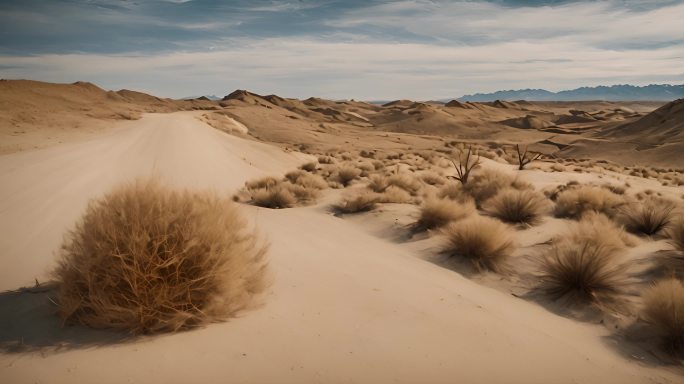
x,y
582,265
361,201
148,259
664,310
435,213
572,203
465,166
676,234
274,197
347,173
515,206
525,157
406,182
648,217
486,242
396,195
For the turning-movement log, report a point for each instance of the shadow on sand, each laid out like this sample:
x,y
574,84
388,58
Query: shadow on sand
x,y
29,323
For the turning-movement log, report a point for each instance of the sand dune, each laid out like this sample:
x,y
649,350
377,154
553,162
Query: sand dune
x,y
345,306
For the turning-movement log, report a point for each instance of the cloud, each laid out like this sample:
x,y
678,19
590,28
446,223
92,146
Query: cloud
x,y
343,49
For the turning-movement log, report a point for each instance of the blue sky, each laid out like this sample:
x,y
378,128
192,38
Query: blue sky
x,y
342,49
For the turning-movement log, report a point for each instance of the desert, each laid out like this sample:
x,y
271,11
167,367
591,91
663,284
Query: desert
x,y
508,237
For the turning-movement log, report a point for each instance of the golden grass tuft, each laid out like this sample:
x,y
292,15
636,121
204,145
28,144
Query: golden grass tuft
x,y
648,217
406,182
264,182
395,195
515,206
361,201
148,259
310,166
486,242
346,174
663,309
572,203
435,213
582,264
486,183
378,183
278,196
676,234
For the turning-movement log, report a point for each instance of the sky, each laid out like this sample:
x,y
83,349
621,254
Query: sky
x,y
342,49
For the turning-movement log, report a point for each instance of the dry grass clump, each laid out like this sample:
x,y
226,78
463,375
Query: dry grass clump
x,y
395,195
274,197
378,183
307,180
264,182
359,202
310,166
432,178
486,242
582,265
663,309
454,191
648,217
406,182
514,206
676,234
346,174
486,183
435,213
148,259
572,203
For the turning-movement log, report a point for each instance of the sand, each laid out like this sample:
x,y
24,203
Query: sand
x,y
345,306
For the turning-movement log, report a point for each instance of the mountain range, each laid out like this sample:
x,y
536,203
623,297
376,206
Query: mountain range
x,y
653,92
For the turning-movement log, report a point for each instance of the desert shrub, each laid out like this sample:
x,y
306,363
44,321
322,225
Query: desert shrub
x,y
515,206
147,259
292,176
347,173
454,191
263,182
582,264
663,309
310,166
648,217
396,195
378,183
309,181
406,182
432,178
302,194
326,160
278,196
616,189
486,242
486,183
359,202
572,203
435,213
676,234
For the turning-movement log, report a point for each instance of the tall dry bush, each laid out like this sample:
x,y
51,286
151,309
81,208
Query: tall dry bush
x,y
435,213
145,258
648,217
572,203
486,242
583,264
514,206
663,309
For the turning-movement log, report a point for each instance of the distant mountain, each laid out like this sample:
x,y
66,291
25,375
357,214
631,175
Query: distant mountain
x,y
208,97
653,92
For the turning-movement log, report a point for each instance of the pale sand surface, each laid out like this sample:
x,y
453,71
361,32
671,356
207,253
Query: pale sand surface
x,y
345,306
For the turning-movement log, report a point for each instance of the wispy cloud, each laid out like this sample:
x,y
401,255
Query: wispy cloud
x,y
417,49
